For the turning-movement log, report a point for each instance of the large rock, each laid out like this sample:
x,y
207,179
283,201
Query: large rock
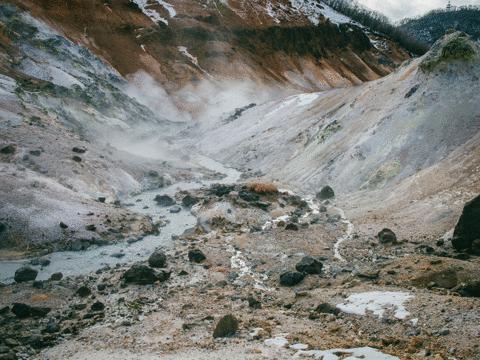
x,y
387,236
189,200
158,259
164,200
226,327
24,311
291,278
468,227
144,275
326,193
24,274
309,265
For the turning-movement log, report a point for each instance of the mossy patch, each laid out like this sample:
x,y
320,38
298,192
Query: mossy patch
x,y
459,48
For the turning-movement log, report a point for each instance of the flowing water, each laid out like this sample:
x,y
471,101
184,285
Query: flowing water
x,y
72,263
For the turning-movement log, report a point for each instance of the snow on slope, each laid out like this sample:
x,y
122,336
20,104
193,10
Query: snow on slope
x,y
315,9
145,6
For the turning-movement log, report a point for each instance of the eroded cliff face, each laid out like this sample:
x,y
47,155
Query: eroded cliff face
x,y
282,43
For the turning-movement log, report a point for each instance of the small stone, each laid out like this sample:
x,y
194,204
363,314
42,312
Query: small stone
x,y
84,291
97,306
164,200
24,274
291,278
254,303
79,150
63,225
175,209
91,227
56,276
326,193
77,158
309,265
189,200
292,227
196,256
102,199
387,236
226,327
158,259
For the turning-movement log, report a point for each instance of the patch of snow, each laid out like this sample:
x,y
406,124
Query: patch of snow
x,y
184,51
145,5
299,346
272,12
300,100
377,302
278,341
315,9
365,353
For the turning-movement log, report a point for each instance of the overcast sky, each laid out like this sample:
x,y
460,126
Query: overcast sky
x,y
399,9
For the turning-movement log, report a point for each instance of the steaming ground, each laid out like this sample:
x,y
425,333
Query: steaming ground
x,y
84,154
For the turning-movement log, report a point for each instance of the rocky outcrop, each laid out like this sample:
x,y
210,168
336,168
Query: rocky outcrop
x,y
467,231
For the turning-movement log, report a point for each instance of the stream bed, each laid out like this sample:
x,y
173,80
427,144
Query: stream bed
x,y
74,263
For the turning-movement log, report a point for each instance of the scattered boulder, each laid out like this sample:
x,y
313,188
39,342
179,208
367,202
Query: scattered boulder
x,y
387,236
467,230
158,259
291,278
77,158
326,193
309,265
292,227
56,276
226,327
24,274
52,327
8,149
144,275
84,291
221,189
24,311
254,303
102,199
175,209
79,150
470,289
40,262
196,256
164,200
63,225
189,200
97,306
326,308
91,227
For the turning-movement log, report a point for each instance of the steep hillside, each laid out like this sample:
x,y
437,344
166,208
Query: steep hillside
x,y
432,26
391,134
302,44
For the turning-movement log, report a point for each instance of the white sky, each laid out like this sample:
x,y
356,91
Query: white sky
x,y
399,9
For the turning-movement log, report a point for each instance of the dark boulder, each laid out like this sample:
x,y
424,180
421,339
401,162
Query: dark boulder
x,y
8,150
254,303
77,158
292,227
226,327
63,225
189,200
97,306
56,276
144,275
291,278
40,262
248,196
164,200
326,308
326,193
158,259
309,265
24,311
83,291
79,150
387,236
196,256
221,189
470,289
468,227
24,274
